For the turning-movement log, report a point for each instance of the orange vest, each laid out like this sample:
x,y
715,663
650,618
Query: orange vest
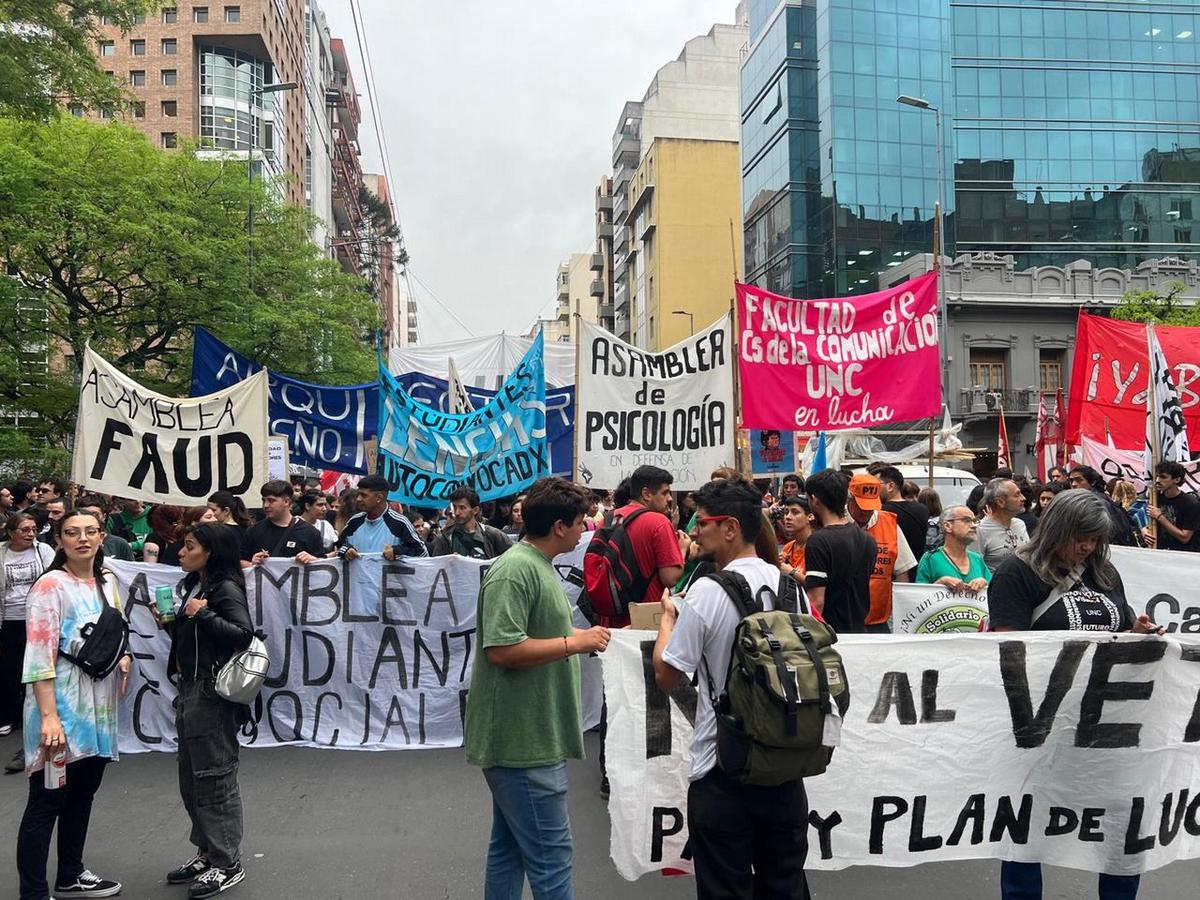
x,y
885,531
794,556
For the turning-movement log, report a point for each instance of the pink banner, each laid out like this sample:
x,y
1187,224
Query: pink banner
x,y
824,365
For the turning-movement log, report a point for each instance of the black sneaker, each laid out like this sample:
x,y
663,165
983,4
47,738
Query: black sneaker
x,y
89,885
16,764
189,870
604,789
215,880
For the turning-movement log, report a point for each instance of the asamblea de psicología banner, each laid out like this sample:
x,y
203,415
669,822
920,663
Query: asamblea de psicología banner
x,y
1110,374
498,449
365,655
671,408
849,362
1031,747
135,443
1159,583
325,426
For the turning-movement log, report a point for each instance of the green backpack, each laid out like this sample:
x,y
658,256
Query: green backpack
x,y
779,717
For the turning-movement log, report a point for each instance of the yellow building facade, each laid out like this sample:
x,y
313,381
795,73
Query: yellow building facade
x,y
684,199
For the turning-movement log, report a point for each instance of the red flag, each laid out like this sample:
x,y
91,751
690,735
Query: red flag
x,y
1004,456
1060,433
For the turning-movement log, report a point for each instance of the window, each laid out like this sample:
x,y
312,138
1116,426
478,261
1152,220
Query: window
x,y
104,20
76,110
200,14
1050,362
137,47
106,114
138,78
170,15
988,369
169,77
108,48
233,14
169,139
170,46
139,110
170,109
139,18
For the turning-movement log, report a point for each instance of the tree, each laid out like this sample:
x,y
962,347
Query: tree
x,y
1160,309
114,243
48,54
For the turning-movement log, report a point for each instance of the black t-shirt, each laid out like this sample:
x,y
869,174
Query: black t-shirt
x,y
913,519
1183,511
1015,593
841,558
266,535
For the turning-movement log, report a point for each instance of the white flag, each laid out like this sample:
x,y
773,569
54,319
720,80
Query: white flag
x,y
1166,429
456,392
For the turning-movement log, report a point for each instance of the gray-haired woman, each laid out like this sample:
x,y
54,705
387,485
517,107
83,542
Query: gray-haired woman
x,y
1062,580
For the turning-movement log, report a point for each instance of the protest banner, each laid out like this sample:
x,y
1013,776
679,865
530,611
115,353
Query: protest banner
x,y
498,449
1129,464
1027,747
772,452
935,609
324,426
839,363
1110,375
560,411
484,362
365,655
278,466
135,443
672,408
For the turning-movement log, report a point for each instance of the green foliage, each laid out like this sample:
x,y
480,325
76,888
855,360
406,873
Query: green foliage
x,y
115,243
1160,309
47,55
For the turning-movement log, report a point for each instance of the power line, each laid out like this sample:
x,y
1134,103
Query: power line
x,y
467,328
364,55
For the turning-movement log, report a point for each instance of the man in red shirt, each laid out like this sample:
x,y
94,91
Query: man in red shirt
x,y
659,548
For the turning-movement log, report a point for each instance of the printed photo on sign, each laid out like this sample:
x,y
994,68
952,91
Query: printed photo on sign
x,y
772,452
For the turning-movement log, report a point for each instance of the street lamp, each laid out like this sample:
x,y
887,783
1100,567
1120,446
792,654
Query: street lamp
x,y
691,319
257,92
938,249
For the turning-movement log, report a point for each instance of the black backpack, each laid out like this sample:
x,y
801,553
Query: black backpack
x,y
611,575
105,641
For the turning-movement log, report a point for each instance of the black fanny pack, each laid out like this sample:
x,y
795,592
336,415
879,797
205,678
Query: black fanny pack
x,y
105,641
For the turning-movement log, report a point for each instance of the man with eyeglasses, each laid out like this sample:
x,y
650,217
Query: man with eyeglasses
x,y
953,564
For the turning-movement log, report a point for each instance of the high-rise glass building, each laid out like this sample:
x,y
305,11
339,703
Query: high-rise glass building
x,y
1072,131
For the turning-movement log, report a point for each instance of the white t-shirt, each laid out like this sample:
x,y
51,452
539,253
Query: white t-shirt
x,y
325,530
703,641
21,570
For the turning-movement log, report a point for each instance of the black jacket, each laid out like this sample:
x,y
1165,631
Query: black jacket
x,y
494,541
205,642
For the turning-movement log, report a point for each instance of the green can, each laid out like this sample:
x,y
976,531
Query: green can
x,y
164,603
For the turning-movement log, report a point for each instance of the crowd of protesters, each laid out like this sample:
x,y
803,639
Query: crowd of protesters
x,y
845,540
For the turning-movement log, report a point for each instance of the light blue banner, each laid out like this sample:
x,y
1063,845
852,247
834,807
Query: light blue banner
x,y
499,449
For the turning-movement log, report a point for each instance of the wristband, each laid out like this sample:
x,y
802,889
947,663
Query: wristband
x,y
566,652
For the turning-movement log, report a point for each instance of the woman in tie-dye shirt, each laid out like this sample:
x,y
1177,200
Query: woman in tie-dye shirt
x,y
66,710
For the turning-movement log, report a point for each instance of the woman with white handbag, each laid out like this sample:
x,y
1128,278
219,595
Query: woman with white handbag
x,y
212,627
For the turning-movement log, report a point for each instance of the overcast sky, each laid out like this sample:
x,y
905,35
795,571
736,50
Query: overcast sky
x,y
499,121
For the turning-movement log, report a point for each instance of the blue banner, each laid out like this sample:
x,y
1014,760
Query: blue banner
x,y
560,412
324,426
499,449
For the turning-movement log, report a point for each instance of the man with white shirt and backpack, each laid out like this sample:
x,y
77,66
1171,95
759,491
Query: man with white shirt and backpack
x,y
761,729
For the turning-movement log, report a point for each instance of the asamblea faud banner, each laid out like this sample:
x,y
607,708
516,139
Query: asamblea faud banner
x,y
325,427
1110,374
1030,747
135,443
671,408
1157,582
849,362
560,411
499,449
365,655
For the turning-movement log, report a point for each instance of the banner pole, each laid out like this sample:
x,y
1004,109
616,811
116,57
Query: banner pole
x,y
575,439
1155,448
739,461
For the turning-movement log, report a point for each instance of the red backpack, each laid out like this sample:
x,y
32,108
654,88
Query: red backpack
x,y
612,577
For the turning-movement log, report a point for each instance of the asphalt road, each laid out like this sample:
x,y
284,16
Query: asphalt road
x,y
413,825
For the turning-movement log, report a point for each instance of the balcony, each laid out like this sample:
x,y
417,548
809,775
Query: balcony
x,y
643,198
647,229
620,208
597,262
597,288
621,177
621,298
627,149
604,230
620,238
605,311
604,203
980,403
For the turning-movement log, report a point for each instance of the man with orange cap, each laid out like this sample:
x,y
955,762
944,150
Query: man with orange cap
x,y
894,560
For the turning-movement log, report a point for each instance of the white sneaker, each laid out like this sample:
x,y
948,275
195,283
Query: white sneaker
x,y
5,730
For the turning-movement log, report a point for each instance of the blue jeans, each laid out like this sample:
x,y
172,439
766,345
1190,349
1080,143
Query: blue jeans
x,y
1023,881
531,833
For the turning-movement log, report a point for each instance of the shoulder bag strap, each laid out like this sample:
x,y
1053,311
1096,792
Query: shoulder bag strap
x,y
1065,583
283,537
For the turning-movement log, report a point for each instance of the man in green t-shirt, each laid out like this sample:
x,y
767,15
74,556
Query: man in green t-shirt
x,y
524,712
952,564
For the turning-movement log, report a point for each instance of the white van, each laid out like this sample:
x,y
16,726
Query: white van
x,y
953,485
